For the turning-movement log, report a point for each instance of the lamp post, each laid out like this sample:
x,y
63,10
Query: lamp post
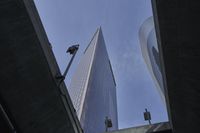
x,y
147,116
108,123
72,50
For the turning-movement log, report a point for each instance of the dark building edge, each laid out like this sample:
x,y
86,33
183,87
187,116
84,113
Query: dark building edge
x,y
8,124
51,60
157,30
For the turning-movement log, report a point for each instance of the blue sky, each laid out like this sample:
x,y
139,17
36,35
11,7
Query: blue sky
x,y
68,22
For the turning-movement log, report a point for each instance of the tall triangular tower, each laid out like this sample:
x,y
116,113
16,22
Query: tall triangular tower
x,y
93,87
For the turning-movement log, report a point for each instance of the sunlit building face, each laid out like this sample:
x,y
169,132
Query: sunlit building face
x,y
93,88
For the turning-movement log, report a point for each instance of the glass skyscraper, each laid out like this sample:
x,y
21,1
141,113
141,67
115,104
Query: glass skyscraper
x,y
93,88
150,52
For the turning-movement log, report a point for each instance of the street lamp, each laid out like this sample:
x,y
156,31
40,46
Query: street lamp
x,y
72,51
108,123
147,116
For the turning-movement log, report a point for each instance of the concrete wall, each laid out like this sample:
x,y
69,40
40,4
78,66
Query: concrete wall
x,y
177,25
142,129
31,99
163,127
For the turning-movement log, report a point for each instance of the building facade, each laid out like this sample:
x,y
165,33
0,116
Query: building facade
x,y
177,29
150,53
30,97
93,88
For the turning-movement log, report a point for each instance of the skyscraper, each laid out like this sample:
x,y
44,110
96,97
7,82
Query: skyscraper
x,y
93,87
150,53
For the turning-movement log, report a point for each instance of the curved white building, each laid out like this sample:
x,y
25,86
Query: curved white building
x,y
150,53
